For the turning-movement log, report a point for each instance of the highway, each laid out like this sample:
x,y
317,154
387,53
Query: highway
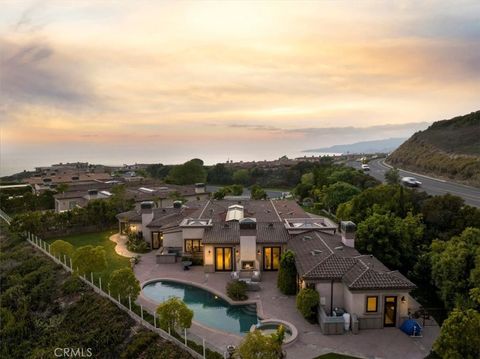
x,y
432,186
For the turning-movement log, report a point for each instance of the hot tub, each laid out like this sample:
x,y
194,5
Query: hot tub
x,y
270,326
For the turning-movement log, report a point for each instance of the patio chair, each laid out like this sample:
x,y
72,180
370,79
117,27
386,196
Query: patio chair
x,y
256,276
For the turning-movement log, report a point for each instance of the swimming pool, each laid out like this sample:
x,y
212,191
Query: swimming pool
x,y
208,309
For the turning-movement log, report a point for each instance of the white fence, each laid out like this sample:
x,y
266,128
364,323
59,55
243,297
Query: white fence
x,y
99,287
5,217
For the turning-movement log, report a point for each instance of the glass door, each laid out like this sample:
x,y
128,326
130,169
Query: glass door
x,y
271,258
157,240
390,312
223,259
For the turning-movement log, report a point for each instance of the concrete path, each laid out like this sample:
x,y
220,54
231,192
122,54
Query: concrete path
x,y
121,247
373,343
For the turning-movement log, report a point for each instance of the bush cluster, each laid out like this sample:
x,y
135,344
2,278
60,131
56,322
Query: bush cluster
x,y
237,290
307,303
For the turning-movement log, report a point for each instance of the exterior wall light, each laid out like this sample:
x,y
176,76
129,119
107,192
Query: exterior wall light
x,y
403,300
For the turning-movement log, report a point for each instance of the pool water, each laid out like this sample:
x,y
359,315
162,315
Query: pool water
x,y
208,309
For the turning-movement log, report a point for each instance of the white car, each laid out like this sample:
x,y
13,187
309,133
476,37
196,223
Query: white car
x,y
411,182
365,167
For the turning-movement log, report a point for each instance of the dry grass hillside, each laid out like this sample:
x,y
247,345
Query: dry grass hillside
x,y
448,149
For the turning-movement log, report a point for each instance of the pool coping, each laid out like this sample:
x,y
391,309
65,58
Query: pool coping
x,y
260,314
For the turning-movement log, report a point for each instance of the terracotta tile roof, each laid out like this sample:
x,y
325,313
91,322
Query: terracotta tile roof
x,y
332,267
222,233
273,232
322,256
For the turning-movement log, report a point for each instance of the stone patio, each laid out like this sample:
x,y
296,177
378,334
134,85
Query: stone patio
x,y
271,304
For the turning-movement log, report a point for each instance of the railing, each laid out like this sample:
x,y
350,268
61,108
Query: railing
x,y
5,217
202,349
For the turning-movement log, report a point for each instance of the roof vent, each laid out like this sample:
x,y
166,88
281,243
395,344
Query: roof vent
x,y
177,204
306,238
316,252
339,248
270,225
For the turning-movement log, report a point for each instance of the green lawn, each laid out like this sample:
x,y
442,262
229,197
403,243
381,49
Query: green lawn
x,y
335,356
114,261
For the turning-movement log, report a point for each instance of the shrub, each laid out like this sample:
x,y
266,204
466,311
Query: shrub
x,y
287,274
139,343
88,259
174,313
257,345
123,283
72,285
135,243
237,290
307,302
61,248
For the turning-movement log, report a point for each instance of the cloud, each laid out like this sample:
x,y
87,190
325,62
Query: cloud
x,y
32,71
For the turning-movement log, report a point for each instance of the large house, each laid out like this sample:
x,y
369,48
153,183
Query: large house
x,y
250,235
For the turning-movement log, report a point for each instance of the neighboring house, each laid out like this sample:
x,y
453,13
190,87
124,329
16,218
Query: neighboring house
x,y
251,235
51,181
78,194
77,199
165,195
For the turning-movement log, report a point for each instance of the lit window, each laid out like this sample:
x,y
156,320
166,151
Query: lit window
x,y
372,304
193,245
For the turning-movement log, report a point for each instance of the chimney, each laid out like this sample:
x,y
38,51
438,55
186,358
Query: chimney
x,y
92,194
347,230
147,212
200,188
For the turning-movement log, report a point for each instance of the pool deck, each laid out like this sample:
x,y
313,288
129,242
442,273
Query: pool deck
x,y
271,304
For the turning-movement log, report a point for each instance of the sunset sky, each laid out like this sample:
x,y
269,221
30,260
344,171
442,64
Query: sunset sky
x,y
149,81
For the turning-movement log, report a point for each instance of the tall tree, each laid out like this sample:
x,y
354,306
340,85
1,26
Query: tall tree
x,y
189,173
258,192
391,239
455,264
460,335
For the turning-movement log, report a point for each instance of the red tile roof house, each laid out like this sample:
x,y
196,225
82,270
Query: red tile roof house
x,y
250,235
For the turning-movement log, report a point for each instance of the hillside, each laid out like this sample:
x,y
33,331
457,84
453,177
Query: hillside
x,y
375,146
448,149
44,308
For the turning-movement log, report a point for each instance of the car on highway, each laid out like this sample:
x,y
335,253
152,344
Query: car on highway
x,y
365,167
411,182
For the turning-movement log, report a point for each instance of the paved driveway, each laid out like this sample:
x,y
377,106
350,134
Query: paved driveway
x,y
373,343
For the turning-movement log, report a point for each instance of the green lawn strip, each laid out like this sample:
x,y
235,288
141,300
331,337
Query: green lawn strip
x,y
114,261
335,356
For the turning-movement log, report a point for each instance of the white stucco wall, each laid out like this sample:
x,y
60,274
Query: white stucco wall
x,y
355,302
193,233
248,250
325,289
174,239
